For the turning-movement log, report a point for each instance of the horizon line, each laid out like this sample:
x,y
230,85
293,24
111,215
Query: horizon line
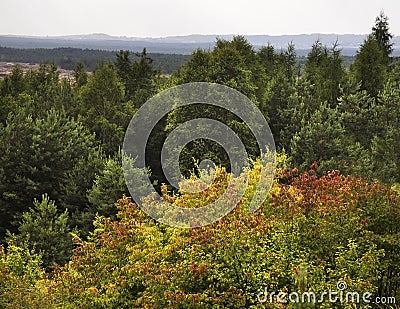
x,y
175,36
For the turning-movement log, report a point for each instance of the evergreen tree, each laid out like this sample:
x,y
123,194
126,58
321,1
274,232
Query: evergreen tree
x,y
139,77
281,70
45,231
380,32
324,69
14,83
358,115
323,139
103,109
196,69
231,63
108,187
386,142
111,184
369,67
38,156
80,74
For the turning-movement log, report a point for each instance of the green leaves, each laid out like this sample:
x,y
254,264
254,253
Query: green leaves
x,y
103,109
45,231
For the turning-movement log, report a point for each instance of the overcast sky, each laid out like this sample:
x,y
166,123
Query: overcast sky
x,y
156,18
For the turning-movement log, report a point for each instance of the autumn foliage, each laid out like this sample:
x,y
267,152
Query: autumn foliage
x,y
312,232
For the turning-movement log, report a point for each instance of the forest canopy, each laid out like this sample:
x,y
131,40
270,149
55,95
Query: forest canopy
x,y
72,238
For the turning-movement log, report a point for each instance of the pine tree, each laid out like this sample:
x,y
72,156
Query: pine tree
x,y
40,156
103,108
370,67
137,76
45,231
380,32
80,74
323,139
108,187
386,143
324,69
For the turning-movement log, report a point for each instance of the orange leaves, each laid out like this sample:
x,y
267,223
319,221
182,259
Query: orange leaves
x,y
308,192
197,270
289,243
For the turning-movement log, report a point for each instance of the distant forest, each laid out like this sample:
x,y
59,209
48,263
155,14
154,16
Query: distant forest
x,y
67,58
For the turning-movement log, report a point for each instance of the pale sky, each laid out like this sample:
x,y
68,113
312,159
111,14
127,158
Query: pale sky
x,y
158,18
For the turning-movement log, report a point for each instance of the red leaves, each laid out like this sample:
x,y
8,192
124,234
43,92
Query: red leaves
x,y
223,263
197,270
313,167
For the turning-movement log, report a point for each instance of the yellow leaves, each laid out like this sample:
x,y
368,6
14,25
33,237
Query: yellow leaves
x,y
396,188
93,290
281,165
296,195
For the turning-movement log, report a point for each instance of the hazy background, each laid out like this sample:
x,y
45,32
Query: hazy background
x,y
156,18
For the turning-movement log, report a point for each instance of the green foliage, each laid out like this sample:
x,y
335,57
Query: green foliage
x,y
369,67
21,279
311,233
13,84
232,63
386,142
107,187
324,139
380,31
38,156
80,74
43,230
324,69
138,77
103,109
315,229
68,58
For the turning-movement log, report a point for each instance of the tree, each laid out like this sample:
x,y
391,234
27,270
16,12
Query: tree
x,y
123,65
323,139
386,141
45,231
358,115
380,32
138,76
196,69
107,187
80,74
276,105
50,155
369,67
14,83
111,183
231,63
103,109
324,69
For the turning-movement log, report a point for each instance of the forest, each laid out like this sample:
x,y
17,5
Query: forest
x,y
67,57
71,237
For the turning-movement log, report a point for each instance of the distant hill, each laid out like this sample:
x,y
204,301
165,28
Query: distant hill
x,y
349,43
